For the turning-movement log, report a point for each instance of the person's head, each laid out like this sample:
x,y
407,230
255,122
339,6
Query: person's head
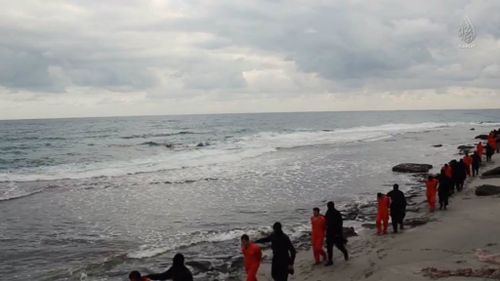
x,y
461,160
178,260
430,177
466,153
245,241
330,205
446,165
395,186
277,227
316,211
135,276
379,195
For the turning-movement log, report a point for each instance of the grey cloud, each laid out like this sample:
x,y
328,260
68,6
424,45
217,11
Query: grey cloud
x,y
383,45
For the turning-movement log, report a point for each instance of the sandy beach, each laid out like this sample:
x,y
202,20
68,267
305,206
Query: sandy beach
x,y
449,241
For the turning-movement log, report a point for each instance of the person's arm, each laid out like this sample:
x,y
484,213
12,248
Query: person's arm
x,y
264,240
161,276
259,255
292,251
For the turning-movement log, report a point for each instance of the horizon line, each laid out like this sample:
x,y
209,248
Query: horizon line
x,y
241,113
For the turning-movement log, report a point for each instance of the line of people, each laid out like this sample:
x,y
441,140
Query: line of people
x,y
329,227
450,179
453,174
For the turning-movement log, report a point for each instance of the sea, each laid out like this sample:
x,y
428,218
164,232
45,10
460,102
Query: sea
x,y
94,198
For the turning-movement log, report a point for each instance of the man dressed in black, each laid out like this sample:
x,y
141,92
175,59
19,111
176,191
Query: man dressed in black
x,y
398,207
177,272
283,253
334,233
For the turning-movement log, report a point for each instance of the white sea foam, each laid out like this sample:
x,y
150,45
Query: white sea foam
x,y
228,151
189,239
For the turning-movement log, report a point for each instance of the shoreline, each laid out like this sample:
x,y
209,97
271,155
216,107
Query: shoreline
x,y
443,240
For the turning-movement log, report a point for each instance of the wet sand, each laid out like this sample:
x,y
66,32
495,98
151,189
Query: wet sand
x,y
449,241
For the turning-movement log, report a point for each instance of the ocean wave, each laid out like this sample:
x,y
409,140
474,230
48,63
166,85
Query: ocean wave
x,y
184,240
154,135
153,143
11,191
219,153
195,238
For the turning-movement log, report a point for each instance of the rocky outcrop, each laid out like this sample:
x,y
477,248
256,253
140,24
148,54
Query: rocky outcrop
x,y
437,145
349,232
481,137
412,168
493,173
417,221
487,190
465,149
201,266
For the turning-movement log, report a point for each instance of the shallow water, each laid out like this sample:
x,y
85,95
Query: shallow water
x,y
94,198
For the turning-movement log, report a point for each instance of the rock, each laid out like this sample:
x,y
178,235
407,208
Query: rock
x,y
487,189
465,147
472,129
349,232
201,265
482,137
369,225
412,168
495,172
412,222
437,145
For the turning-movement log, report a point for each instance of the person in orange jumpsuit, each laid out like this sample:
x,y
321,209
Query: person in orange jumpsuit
x,y
432,187
136,276
480,149
492,141
252,255
468,163
318,222
448,171
383,203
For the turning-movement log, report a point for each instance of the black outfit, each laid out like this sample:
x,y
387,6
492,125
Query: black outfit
x,y
462,175
444,191
173,273
476,162
335,234
489,152
283,254
398,208
456,177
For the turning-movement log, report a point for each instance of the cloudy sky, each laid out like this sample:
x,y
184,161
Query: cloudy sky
x,y
138,57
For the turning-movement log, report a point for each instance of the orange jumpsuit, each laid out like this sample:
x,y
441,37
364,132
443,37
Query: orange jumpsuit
x,y
448,171
468,163
480,149
383,214
318,237
431,193
251,259
492,141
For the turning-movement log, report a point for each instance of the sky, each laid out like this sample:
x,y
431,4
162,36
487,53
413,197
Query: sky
x,y
139,57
